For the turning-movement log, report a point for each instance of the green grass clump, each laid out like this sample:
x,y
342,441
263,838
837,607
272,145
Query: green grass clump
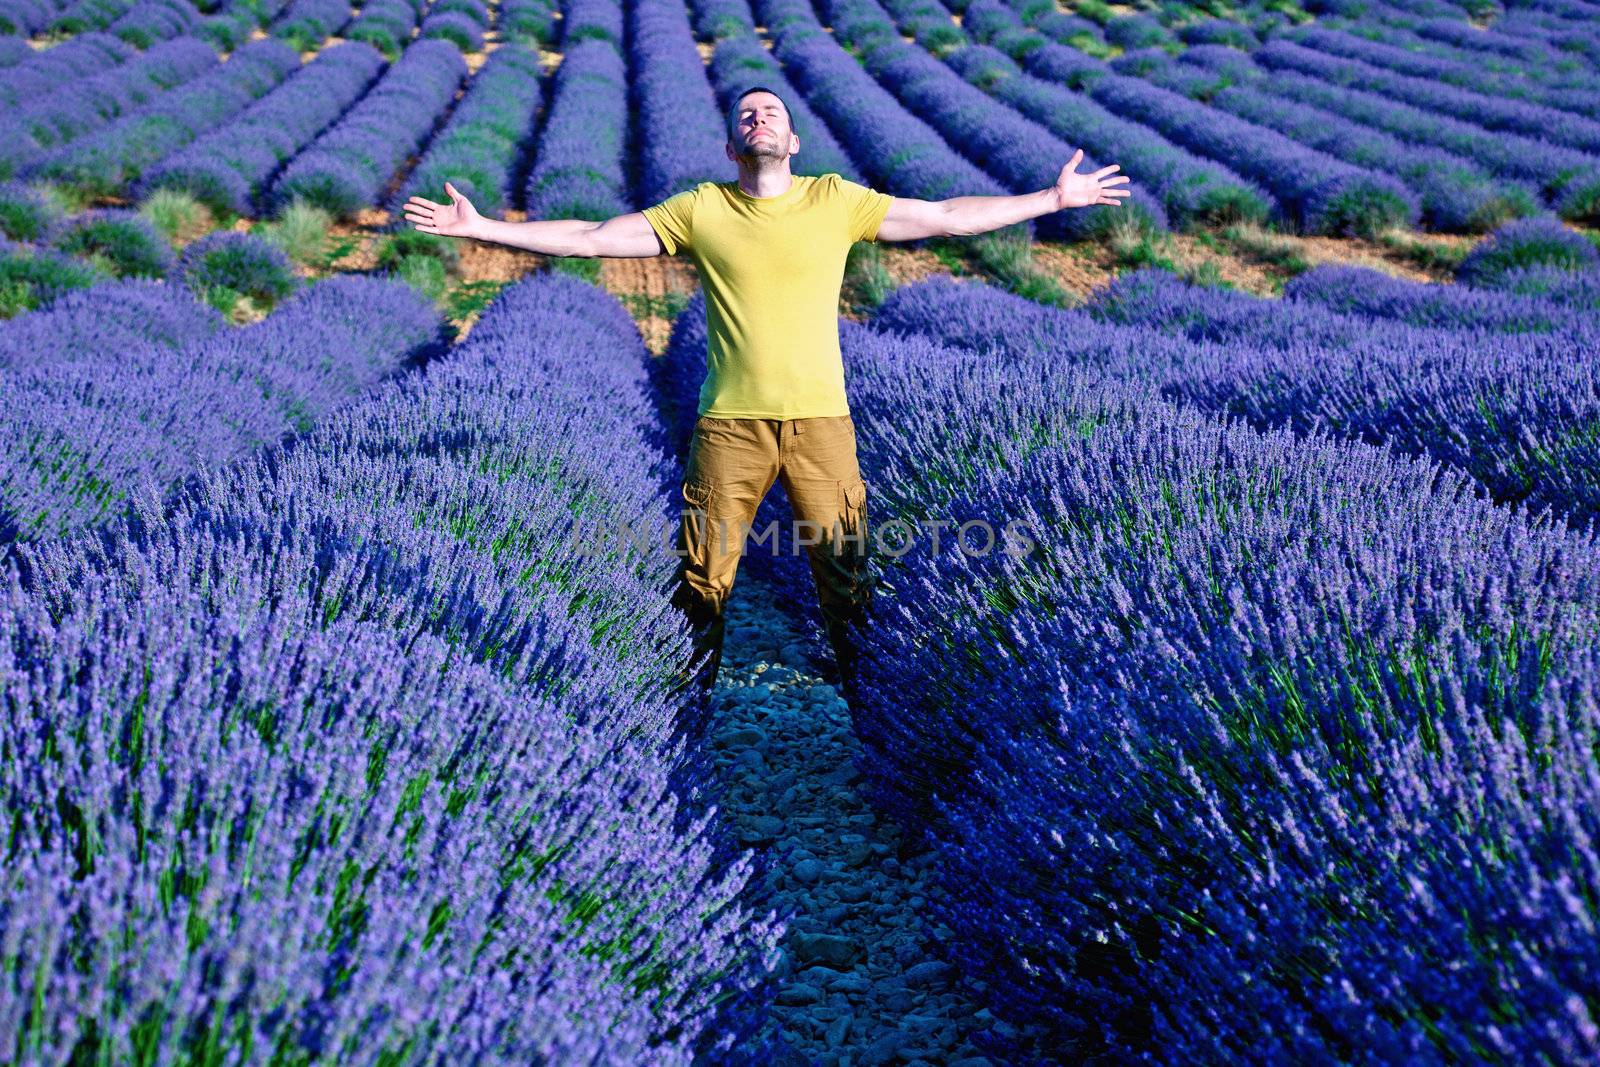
x,y
26,213
301,230
123,242
29,278
866,280
401,244
585,267
177,215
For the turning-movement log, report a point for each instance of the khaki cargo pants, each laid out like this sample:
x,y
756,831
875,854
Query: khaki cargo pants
x,y
732,464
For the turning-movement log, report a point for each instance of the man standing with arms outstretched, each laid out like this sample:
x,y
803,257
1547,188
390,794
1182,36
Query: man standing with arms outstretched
x,y
770,249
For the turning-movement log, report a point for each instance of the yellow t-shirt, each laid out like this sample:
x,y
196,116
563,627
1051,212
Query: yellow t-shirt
x,y
771,268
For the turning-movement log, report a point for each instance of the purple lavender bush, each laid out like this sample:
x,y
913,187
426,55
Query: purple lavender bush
x,y
1493,112
1320,193
479,148
150,21
238,264
228,168
1352,290
578,166
1541,241
866,117
529,22
86,324
456,27
125,241
1514,411
110,158
394,703
1154,754
678,122
92,424
81,57
305,24
583,19
80,105
1193,191
1022,155
716,19
1569,179
31,275
25,17
385,24
347,167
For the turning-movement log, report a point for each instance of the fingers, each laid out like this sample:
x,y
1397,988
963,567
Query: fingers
x,y
1103,171
455,196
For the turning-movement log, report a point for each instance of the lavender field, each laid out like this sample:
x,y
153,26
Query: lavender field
x,y
334,729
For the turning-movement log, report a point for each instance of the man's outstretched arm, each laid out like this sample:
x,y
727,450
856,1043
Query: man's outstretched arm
x,y
623,237
965,216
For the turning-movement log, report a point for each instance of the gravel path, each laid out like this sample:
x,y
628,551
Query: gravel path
x,y
863,980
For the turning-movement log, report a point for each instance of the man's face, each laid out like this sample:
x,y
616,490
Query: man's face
x,y
761,128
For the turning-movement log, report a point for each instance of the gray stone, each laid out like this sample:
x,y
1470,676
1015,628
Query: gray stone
x,y
850,983
839,1031
807,871
853,892
929,972
858,854
742,737
830,950
798,994
900,1000
972,1061
881,1051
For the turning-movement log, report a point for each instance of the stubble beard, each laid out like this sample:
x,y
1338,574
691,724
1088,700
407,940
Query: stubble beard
x,y
765,151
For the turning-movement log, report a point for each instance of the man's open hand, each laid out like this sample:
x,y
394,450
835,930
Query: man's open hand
x,y
1082,190
455,219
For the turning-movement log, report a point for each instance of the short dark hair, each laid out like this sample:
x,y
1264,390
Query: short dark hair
x,y
733,108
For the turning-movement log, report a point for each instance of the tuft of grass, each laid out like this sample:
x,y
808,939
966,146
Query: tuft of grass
x,y
470,298
585,267
402,244
177,215
648,305
1133,246
426,274
1007,256
301,230
1207,274
1439,259
1265,246
866,280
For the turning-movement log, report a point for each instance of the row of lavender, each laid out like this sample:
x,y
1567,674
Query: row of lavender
x,y
1230,762
227,139
403,666
1328,145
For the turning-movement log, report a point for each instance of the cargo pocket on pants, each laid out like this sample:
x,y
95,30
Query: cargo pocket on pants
x,y
855,507
694,527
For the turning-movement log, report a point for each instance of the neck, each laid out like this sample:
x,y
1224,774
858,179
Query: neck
x,y
764,177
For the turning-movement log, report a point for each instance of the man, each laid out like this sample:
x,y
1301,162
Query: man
x,y
770,249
